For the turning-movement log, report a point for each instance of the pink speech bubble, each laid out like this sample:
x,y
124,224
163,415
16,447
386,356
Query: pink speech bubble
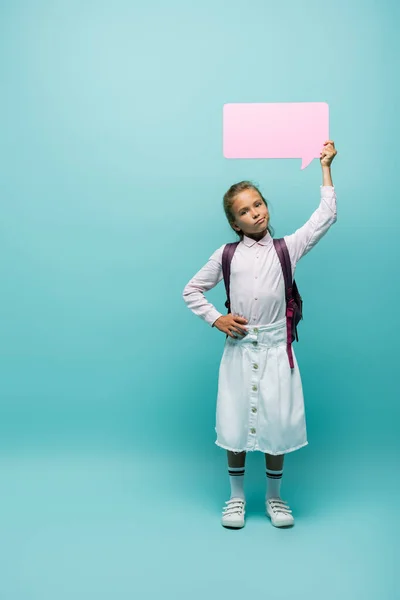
x,y
280,130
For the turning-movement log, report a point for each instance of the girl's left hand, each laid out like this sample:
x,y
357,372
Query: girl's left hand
x,y
328,153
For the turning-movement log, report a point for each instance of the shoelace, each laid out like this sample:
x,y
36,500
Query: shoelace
x,y
279,506
233,507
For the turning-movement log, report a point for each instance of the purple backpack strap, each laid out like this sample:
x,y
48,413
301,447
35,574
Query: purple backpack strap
x,y
284,258
227,256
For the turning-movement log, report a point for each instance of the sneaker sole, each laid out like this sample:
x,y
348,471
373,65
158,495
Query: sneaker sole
x,y
232,526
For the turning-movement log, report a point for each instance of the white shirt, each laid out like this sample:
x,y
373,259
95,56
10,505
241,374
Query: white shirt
x,y
257,287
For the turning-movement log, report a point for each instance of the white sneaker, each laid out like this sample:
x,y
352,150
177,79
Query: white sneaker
x,y
233,513
279,512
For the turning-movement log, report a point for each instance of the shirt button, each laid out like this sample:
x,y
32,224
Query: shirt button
x,y
255,366
255,329
255,343
254,388
256,276
252,430
254,410
255,298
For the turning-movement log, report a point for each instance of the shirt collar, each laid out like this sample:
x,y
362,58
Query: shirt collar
x,y
265,241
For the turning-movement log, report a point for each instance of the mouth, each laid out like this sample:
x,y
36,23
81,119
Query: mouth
x,y
260,221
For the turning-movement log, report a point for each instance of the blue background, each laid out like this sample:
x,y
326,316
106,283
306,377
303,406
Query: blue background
x,y
111,181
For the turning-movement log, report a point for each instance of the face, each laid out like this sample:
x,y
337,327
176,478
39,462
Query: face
x,y
251,214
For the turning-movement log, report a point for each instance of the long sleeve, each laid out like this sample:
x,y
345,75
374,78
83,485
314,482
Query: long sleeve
x,y
305,238
205,279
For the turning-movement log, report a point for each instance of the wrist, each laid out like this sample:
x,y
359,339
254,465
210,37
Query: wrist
x,y
326,176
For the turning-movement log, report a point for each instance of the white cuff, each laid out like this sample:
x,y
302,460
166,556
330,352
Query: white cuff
x,y
212,316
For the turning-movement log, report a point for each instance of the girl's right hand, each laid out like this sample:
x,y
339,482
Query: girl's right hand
x,y
231,325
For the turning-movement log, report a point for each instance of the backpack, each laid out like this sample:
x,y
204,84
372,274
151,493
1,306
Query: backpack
x,y
294,302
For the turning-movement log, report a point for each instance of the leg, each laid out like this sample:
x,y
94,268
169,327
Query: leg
x,y
274,466
278,511
274,463
236,463
236,459
234,512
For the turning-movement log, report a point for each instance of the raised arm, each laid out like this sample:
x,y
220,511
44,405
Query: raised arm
x,y
305,238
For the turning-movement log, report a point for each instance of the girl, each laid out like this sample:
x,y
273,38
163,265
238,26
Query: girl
x,y
260,403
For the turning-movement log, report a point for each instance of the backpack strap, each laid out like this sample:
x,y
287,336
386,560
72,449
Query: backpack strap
x,y
227,256
284,258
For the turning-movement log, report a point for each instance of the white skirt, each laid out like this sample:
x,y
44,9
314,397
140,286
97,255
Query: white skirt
x,y
260,404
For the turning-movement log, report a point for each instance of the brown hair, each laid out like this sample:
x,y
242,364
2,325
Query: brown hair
x,y
230,197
